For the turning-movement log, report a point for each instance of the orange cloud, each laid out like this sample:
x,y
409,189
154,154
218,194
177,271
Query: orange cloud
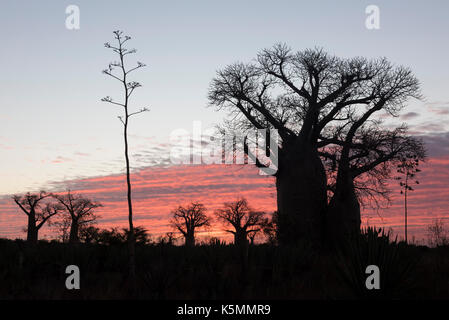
x,y
156,191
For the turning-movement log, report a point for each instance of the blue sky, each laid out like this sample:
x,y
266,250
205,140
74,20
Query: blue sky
x,y
53,126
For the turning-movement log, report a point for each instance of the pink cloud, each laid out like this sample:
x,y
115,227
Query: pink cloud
x,y
156,191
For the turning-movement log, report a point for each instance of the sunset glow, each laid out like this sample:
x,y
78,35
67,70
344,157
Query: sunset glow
x,y
159,190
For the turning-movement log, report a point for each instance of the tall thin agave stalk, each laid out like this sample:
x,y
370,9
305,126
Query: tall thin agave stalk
x,y
128,89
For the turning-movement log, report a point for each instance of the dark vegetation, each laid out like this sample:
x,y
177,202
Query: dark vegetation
x,y
214,270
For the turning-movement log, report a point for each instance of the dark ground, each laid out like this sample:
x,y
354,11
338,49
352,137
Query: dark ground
x,y
215,271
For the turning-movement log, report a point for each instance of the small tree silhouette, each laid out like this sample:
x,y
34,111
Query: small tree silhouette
x,y
38,215
407,168
128,89
80,211
187,219
170,236
270,229
243,219
437,235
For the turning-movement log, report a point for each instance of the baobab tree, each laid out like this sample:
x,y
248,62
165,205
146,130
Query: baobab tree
x,y
363,161
80,211
243,219
38,214
270,229
436,233
301,95
128,89
188,219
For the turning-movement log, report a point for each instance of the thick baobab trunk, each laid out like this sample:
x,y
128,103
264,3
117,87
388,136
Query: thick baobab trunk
x,y
241,245
74,227
190,240
301,195
240,238
343,215
32,230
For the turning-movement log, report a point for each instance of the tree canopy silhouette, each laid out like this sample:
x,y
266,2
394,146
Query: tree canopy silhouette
x,y
316,102
189,218
242,218
362,162
80,211
37,212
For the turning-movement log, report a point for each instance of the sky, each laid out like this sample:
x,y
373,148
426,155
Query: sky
x,y
55,132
